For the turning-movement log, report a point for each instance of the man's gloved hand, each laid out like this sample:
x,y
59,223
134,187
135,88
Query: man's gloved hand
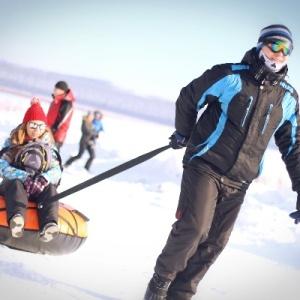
x,y
38,185
296,214
177,141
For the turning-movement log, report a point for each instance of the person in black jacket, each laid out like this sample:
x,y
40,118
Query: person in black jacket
x,y
246,104
87,141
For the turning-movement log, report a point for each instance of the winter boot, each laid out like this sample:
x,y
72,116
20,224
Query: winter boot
x,y
157,289
16,225
49,232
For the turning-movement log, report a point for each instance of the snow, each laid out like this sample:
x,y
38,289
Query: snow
x,y
131,215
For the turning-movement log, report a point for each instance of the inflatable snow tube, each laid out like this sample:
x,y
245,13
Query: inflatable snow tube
x,y
73,231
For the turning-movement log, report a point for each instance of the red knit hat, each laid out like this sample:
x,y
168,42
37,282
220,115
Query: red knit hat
x,y
35,112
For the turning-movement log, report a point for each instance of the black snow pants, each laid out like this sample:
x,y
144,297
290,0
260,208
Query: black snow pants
x,y
16,201
207,210
90,147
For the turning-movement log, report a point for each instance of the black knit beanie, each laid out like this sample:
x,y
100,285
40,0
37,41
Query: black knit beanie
x,y
62,85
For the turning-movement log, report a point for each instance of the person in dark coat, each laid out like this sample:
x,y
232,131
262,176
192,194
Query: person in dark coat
x,y
60,112
246,104
87,141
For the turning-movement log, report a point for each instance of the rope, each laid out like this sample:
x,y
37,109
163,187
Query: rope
x,y
118,169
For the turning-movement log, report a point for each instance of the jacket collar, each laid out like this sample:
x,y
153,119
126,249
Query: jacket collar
x,y
260,71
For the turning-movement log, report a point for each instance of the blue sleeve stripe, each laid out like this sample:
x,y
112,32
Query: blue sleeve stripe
x,y
224,89
289,108
212,139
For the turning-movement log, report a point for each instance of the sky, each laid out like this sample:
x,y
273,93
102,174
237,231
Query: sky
x,y
131,215
152,48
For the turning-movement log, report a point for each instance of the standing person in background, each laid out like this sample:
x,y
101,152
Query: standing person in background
x,y
245,105
60,112
90,132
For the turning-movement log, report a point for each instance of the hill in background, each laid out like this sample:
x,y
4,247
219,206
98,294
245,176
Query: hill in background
x,y
88,92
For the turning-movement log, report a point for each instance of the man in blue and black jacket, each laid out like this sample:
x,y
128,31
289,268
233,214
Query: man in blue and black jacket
x,y
246,104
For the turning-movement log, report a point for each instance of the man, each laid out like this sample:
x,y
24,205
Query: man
x,y
247,104
60,112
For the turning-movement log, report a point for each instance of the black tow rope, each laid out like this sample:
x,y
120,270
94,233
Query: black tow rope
x,y
118,169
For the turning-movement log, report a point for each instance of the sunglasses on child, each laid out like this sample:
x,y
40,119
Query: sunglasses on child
x,y
278,45
33,125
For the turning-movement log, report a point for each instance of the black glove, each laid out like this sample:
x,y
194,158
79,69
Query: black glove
x,y
296,214
177,141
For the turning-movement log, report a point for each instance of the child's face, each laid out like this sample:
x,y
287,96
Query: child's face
x,y
35,129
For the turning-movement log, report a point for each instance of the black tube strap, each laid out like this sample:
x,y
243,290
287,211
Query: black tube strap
x,y
118,169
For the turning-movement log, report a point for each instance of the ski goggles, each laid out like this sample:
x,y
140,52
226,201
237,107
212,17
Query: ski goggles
x,y
33,125
278,45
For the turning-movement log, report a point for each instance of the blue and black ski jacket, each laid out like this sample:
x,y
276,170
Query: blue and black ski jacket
x,y
246,105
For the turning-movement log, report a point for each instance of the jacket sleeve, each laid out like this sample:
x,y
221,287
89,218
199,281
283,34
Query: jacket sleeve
x,y
287,138
65,109
54,174
6,170
195,96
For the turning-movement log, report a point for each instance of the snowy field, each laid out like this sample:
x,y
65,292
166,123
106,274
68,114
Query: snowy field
x,y
130,218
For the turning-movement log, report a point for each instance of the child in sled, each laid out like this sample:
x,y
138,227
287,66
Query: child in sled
x,y
33,180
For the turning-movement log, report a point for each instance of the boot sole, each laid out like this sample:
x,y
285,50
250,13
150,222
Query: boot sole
x,y
49,234
17,226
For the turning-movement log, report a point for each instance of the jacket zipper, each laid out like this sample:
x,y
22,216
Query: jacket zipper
x,y
267,118
247,111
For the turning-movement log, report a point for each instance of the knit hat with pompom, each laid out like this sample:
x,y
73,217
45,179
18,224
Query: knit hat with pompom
x,y
35,112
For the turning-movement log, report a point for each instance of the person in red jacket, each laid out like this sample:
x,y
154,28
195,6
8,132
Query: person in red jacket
x,y
60,112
